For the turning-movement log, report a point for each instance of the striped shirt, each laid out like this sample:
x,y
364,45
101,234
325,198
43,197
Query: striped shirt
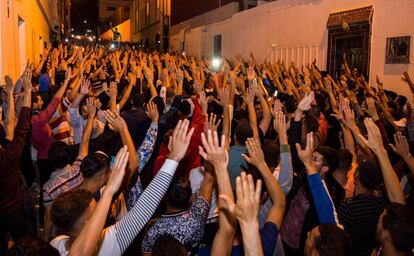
x,y
59,123
62,180
359,216
118,237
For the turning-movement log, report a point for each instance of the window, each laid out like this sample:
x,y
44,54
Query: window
x,y
111,8
217,46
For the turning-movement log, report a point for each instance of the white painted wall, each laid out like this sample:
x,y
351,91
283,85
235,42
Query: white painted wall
x,y
297,31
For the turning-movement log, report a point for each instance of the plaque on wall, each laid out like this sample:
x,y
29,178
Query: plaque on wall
x,y
398,50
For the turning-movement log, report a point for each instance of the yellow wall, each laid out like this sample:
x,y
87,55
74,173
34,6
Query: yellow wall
x,y
125,30
36,25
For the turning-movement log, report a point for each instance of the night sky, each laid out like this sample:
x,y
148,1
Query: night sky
x,y
84,10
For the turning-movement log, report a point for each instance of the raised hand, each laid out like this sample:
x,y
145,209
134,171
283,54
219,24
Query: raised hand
x,y
149,75
118,171
374,141
224,97
305,104
202,100
256,156
306,155
132,78
249,98
91,106
213,151
68,74
85,87
9,84
371,109
246,209
115,120
152,112
279,123
113,90
251,74
348,116
27,81
401,145
277,107
211,123
180,140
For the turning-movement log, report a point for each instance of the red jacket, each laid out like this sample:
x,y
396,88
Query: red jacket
x,y
192,159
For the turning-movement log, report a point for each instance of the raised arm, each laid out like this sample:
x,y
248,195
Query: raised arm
x,y
125,230
256,157
325,208
119,125
267,117
13,151
217,155
86,242
285,178
84,146
402,148
132,79
249,99
374,142
11,110
246,210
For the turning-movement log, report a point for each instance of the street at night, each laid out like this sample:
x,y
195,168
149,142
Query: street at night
x,y
219,127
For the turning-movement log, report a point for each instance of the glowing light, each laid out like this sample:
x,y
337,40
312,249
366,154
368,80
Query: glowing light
x,y
112,46
66,40
84,21
216,63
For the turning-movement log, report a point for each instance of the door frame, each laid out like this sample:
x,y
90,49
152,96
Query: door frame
x,y
361,29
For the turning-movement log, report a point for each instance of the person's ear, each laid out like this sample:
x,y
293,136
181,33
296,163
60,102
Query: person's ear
x,y
385,236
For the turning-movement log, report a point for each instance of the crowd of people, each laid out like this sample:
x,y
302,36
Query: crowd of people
x,y
148,153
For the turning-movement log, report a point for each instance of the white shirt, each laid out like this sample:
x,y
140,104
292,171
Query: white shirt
x,y
196,178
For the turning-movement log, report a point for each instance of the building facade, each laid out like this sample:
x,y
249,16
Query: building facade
x,y
151,20
24,29
150,23
112,11
64,16
376,35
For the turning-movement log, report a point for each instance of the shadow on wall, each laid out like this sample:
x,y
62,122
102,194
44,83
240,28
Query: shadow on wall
x,y
395,69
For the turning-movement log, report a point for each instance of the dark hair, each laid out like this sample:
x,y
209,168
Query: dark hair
x,y
137,100
93,164
256,174
179,194
188,87
160,104
369,173
312,119
104,99
167,245
332,241
243,131
330,157
399,222
345,160
58,154
68,207
271,153
32,246
185,108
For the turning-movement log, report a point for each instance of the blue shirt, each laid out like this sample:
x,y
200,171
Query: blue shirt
x,y
236,163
